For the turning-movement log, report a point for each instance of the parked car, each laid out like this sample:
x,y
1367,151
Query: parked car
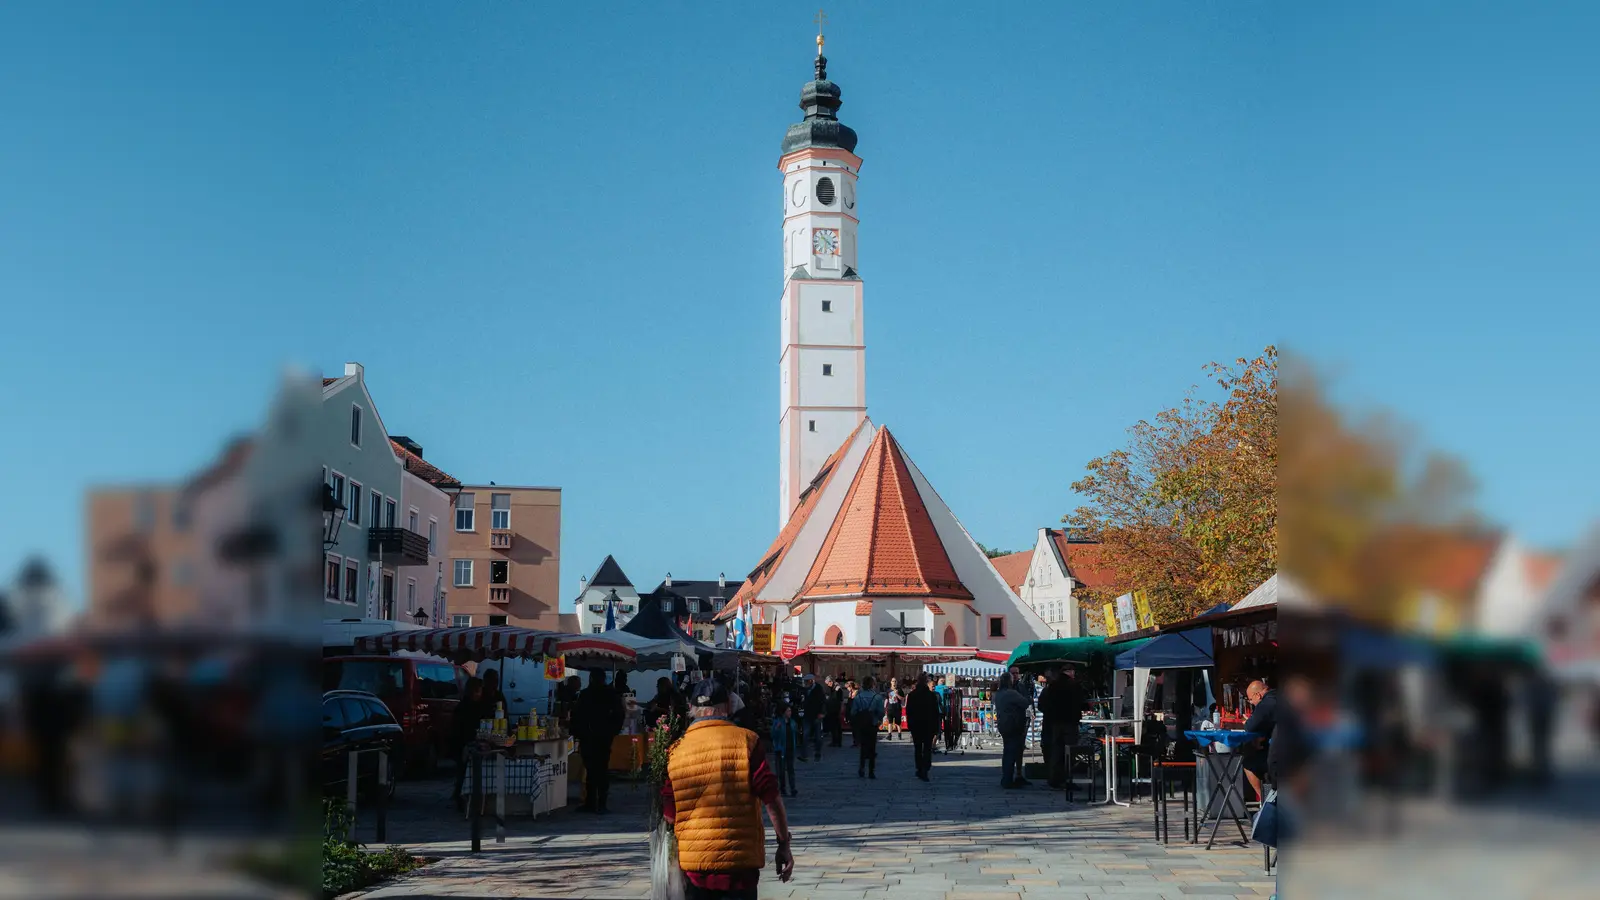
x,y
355,720
422,693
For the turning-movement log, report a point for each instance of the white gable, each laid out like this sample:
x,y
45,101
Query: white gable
x,y
791,573
990,594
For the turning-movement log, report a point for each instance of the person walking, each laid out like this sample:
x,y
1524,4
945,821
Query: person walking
x,y
850,692
833,712
786,742
596,722
717,784
866,711
814,706
1011,717
922,718
894,703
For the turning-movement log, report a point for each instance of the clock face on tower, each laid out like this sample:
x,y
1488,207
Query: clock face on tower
x,y
825,241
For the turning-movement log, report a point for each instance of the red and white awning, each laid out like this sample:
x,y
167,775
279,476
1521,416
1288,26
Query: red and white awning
x,y
498,642
880,652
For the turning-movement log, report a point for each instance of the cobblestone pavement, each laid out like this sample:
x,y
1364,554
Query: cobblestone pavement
x,y
959,838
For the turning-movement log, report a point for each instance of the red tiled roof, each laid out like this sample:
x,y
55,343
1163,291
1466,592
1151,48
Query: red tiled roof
x,y
934,608
328,381
883,543
1084,563
863,607
1458,564
758,578
1013,567
423,469
1542,569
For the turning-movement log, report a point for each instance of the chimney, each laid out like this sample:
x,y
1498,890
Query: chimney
x,y
407,443
722,580
669,579
353,368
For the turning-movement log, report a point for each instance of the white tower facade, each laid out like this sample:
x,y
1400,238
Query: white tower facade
x,y
822,358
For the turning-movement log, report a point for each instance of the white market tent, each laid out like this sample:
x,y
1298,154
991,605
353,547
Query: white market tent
x,y
967,668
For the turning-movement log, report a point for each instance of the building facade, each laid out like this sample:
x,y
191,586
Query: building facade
x,y
427,496
822,344
504,558
609,586
703,600
141,556
1052,579
360,577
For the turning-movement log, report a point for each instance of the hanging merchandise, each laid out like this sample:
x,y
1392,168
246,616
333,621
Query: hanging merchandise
x,y
555,668
678,663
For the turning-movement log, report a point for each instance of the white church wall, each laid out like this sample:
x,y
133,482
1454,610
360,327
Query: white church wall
x,y
886,614
990,593
828,376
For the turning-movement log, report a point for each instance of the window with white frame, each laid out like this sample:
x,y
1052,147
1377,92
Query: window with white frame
x,y
355,424
352,515
388,512
330,577
377,508
337,482
433,537
500,511
352,581
411,594
412,524
463,573
460,621
598,629
464,511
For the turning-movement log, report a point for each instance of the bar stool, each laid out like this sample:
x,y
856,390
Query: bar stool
x,y
1167,777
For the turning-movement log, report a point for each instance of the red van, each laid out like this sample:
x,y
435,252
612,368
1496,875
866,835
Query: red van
x,y
422,693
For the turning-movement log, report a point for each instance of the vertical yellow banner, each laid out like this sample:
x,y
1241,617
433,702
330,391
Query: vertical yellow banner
x,y
1111,620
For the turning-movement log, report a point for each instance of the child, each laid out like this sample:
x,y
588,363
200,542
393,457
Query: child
x,y
785,744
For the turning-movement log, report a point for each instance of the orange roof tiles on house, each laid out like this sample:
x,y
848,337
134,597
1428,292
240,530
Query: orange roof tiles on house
x,y
1013,567
863,607
1458,565
883,542
934,608
1084,562
762,573
1542,569
423,469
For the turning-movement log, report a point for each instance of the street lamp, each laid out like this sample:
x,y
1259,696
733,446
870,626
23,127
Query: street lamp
x,y
333,510
420,617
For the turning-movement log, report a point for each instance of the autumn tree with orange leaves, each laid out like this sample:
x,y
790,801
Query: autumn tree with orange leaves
x,y
1187,511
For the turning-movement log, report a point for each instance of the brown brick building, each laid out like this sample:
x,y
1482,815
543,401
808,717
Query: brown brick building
x,y
503,563
140,556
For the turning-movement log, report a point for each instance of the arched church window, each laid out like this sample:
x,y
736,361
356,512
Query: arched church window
x,y
834,637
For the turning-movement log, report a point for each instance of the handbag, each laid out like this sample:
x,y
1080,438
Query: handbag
x,y
1271,826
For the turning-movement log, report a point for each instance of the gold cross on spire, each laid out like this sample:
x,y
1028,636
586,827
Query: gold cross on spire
x,y
821,20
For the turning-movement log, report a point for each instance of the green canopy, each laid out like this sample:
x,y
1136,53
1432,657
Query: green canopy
x,y
1480,648
1080,650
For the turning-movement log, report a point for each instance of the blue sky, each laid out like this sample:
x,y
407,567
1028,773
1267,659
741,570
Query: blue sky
x,y
552,237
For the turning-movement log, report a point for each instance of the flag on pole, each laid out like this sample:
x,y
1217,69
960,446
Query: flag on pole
x,y
438,602
611,616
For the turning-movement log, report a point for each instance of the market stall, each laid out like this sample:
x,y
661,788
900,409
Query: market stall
x,y
977,679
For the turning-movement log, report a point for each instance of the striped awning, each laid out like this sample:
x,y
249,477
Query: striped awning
x,y
971,668
498,642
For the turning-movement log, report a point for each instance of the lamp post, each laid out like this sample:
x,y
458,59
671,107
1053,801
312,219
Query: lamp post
x,y
420,617
333,511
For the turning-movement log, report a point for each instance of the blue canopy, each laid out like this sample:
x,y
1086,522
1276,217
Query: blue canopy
x,y
1186,649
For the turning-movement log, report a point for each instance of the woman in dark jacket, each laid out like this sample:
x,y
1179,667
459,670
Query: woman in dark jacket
x,y
464,729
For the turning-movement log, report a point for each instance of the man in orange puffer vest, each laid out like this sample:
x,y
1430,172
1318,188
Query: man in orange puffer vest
x,y
717,781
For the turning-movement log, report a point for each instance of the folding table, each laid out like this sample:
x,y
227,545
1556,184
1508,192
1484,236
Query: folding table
x,y
1228,767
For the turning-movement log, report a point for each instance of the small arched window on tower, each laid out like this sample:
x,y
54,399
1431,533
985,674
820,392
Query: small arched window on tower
x,y
825,193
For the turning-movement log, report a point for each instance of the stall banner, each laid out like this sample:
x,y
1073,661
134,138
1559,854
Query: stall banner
x,y
1141,609
555,668
373,574
1126,620
1111,620
761,638
790,647
678,663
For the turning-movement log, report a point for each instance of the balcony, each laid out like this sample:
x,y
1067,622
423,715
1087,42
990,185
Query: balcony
x,y
500,539
499,594
399,546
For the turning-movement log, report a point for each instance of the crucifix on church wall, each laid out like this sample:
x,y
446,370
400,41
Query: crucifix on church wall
x,y
904,632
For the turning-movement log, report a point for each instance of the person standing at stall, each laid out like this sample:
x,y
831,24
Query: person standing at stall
x,y
866,711
596,722
1062,705
464,729
922,718
1011,718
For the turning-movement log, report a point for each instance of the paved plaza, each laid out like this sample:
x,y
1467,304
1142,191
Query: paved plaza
x,y
960,838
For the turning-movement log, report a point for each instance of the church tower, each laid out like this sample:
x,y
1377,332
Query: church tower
x,y
823,371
